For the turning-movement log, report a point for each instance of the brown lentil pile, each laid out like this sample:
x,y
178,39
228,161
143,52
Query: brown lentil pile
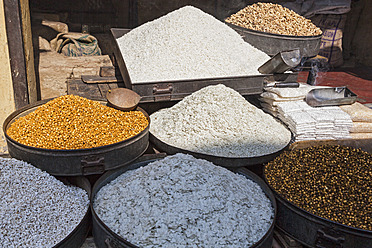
x,y
333,182
275,19
74,122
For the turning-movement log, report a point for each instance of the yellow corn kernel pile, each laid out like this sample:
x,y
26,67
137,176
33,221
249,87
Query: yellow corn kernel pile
x,y
74,122
275,19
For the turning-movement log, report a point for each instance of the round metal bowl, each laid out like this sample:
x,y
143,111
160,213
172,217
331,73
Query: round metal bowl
x,y
227,162
314,231
76,162
77,237
271,44
105,237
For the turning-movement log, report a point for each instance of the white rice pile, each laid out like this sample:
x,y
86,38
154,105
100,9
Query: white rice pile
x,y
187,44
217,120
181,201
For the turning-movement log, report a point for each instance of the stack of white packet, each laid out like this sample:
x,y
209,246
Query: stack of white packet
x,y
304,121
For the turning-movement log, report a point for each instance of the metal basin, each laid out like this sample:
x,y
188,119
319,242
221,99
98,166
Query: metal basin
x,y
76,162
272,44
105,237
228,162
312,230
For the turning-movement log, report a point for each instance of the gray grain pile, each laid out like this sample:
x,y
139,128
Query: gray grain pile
x,y
36,209
181,201
217,120
187,44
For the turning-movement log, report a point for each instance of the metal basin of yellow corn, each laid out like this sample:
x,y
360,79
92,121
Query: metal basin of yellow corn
x,y
76,162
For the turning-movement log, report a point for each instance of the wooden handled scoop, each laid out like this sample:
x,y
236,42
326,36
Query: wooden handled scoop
x,y
123,99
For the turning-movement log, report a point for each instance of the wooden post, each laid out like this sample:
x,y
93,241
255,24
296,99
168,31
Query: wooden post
x,y
18,86
16,53
7,105
33,86
19,36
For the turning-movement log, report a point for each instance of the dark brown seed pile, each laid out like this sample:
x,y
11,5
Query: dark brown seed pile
x,y
333,182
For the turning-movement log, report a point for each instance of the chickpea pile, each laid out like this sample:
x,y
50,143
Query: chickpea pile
x,y
275,19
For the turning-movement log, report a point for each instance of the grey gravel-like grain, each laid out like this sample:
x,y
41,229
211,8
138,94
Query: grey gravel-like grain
x,y
181,201
36,209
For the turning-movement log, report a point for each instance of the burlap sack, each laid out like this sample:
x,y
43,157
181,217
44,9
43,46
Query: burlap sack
x,y
76,44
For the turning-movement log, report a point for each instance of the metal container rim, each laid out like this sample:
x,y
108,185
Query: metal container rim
x,y
153,137
272,35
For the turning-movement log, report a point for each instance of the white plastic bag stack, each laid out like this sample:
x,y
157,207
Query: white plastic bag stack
x,y
304,121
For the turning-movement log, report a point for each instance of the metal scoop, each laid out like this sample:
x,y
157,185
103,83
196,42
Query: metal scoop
x,y
281,62
123,99
330,97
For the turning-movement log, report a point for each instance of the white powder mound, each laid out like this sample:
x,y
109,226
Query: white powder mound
x,y
217,120
187,44
36,209
181,201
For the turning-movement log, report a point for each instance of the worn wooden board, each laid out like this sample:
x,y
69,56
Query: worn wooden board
x,y
91,91
93,79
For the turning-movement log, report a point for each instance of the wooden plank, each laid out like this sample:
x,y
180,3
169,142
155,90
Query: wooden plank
x,y
16,52
91,91
109,71
114,86
92,79
33,86
79,88
103,88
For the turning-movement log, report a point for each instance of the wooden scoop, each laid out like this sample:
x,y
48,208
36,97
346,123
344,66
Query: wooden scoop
x,y
123,99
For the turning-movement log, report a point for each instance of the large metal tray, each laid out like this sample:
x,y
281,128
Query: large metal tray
x,y
105,237
272,44
178,89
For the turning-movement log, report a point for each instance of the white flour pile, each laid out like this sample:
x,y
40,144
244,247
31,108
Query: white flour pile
x,y
217,120
36,209
181,201
187,44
